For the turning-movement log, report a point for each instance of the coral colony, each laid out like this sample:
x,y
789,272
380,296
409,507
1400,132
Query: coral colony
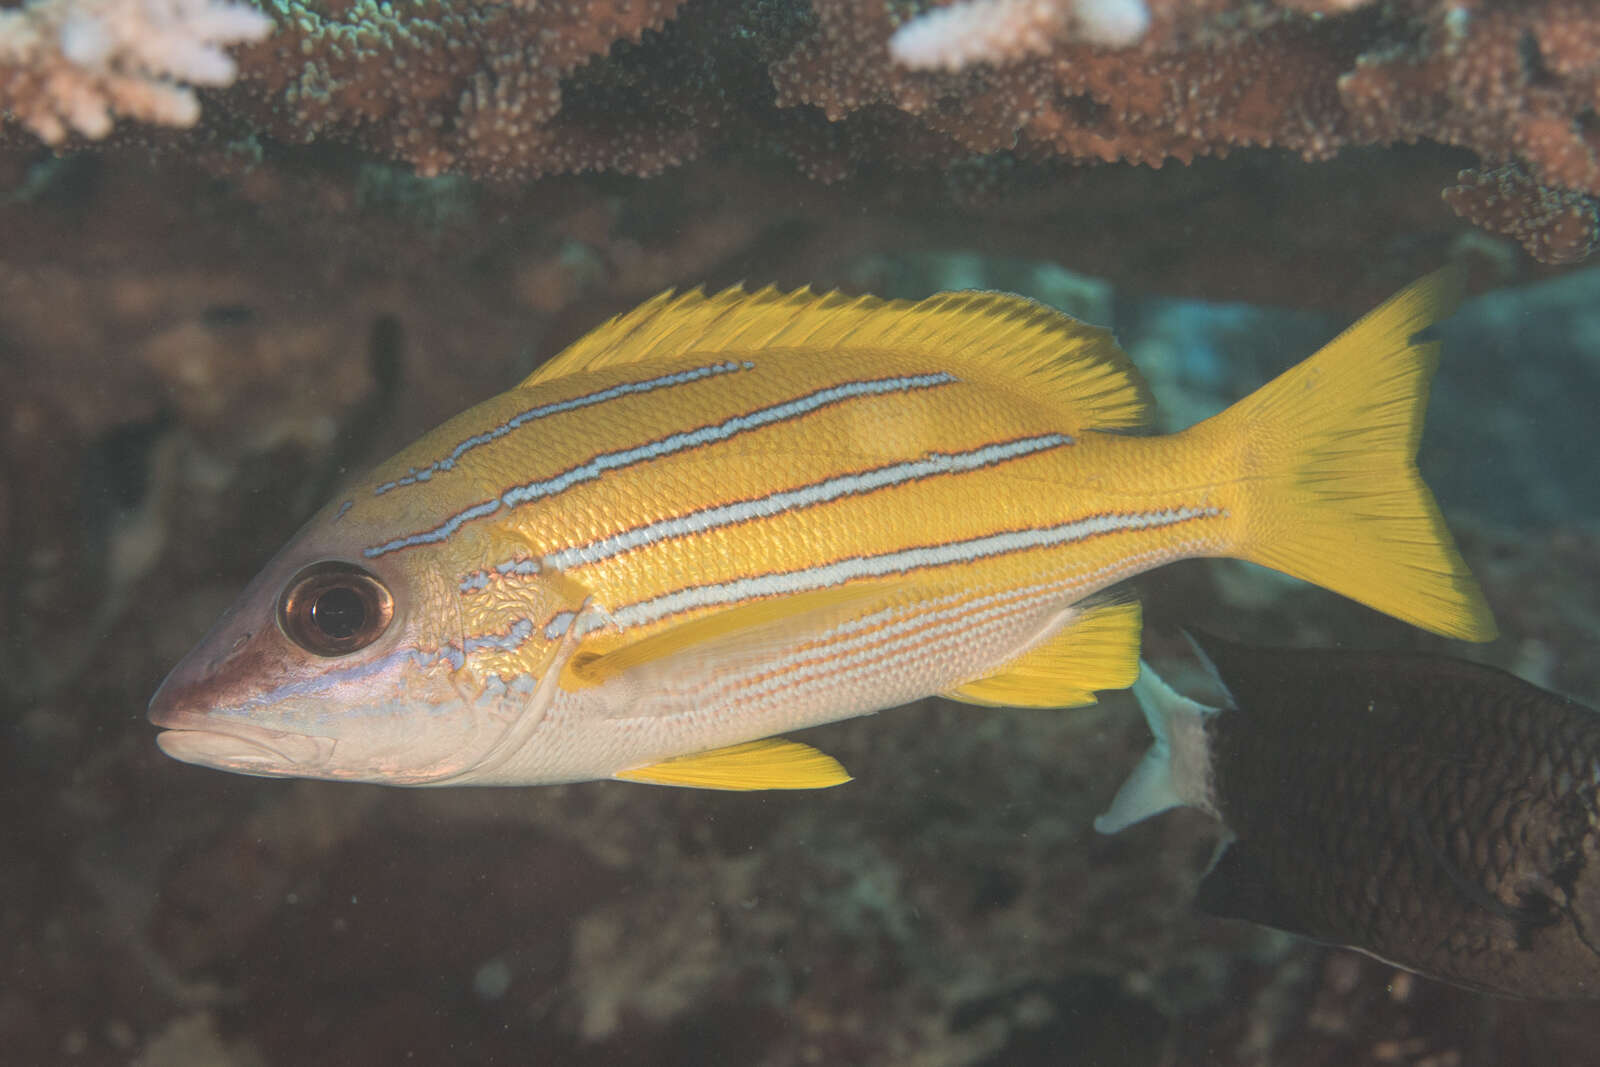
x,y
522,89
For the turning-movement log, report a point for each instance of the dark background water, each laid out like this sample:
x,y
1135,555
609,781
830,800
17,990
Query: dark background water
x,y
190,366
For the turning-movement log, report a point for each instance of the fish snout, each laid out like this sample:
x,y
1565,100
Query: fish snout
x,y
196,683
203,710
225,656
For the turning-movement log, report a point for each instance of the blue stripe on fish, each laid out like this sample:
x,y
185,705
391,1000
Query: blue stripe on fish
x,y
821,492
522,418
665,446
558,626
900,561
455,655
479,580
804,496
510,641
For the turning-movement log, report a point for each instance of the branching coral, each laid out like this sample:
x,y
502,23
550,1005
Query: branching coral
x,y
1553,225
1516,82
71,65
509,89
468,87
978,31
1274,86
1509,80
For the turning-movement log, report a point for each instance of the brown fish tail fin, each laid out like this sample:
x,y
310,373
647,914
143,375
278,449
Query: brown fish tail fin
x,y
1331,447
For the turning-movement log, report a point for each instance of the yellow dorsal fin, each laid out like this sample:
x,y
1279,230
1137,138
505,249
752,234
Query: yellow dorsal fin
x,y
754,619
1099,649
1007,338
771,763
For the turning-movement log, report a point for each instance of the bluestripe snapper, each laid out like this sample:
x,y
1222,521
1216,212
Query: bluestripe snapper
x,y
716,519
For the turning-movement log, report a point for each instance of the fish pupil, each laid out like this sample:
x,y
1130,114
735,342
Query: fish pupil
x,y
333,608
339,612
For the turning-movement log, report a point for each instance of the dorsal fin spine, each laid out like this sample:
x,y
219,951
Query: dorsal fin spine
x,y
1007,340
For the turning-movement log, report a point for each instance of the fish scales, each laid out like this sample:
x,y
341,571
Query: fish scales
x,y
720,518
1437,814
889,655
854,436
899,472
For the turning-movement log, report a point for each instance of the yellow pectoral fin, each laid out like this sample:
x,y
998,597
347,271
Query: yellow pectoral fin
x,y
730,634
771,763
1099,649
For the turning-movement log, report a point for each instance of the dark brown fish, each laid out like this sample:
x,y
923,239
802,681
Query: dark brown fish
x,y
1437,814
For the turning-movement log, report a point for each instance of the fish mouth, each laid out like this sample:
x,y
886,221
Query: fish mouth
x,y
203,739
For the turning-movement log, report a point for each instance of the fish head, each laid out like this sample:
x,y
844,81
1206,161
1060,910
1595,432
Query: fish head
x,y
336,662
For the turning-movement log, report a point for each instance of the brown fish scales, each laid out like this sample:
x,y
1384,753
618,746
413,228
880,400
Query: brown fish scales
x,y
1436,814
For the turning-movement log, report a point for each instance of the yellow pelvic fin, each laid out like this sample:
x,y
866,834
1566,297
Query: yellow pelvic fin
x,y
1098,649
771,763
1330,447
1030,346
756,621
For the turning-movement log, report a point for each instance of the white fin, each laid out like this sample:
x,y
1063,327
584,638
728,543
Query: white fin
x,y
1210,665
1176,771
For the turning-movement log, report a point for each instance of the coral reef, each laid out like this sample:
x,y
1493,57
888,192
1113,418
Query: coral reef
x,y
1514,81
998,31
471,87
515,90
1552,225
70,65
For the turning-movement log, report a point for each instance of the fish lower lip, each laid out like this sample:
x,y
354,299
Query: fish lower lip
x,y
197,738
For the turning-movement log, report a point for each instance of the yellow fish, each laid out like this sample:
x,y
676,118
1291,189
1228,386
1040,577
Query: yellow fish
x,y
718,518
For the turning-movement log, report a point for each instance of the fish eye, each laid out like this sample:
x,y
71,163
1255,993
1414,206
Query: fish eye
x,y
333,609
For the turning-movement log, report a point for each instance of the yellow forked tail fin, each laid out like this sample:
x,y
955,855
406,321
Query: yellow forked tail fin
x,y
1330,447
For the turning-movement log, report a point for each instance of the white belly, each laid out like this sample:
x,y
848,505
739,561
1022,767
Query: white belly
x,y
784,677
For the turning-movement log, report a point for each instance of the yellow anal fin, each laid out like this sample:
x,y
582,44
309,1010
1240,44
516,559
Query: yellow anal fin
x,y
771,763
1010,340
1099,649
759,619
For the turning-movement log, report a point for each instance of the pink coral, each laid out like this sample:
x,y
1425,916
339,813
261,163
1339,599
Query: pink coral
x,y
980,31
72,65
508,91
1552,225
